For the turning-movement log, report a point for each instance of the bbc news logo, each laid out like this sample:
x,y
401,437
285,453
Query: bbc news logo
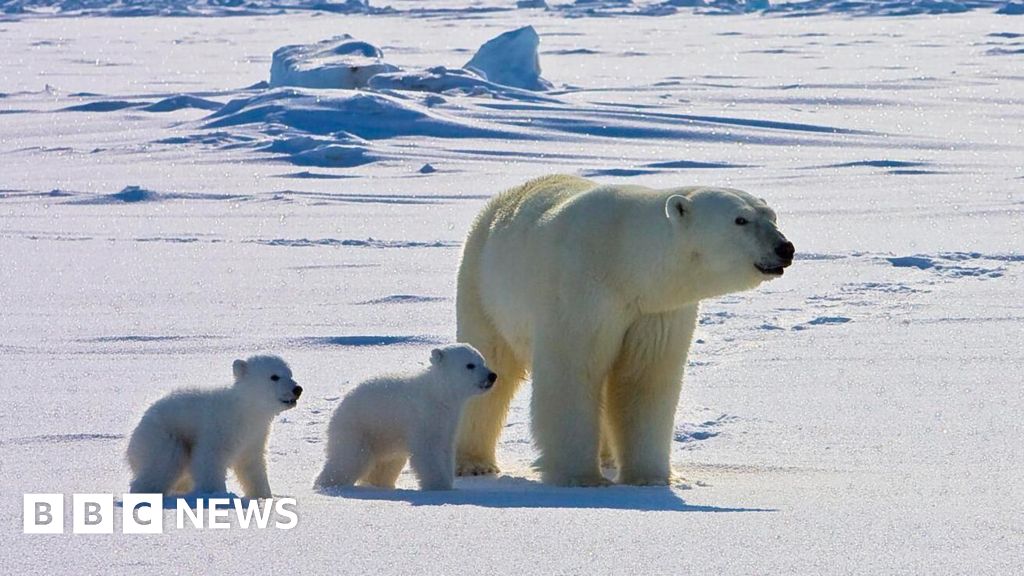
x,y
144,513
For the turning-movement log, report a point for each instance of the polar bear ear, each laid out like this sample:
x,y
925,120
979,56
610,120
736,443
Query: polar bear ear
x,y
436,355
677,206
239,368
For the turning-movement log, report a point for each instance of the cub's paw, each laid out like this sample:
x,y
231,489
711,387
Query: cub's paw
x,y
474,467
608,461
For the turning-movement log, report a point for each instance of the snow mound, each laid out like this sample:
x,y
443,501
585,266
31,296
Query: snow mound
x,y
339,62
135,194
181,102
511,59
436,79
441,79
368,115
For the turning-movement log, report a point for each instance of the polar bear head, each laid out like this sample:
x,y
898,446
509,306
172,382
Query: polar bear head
x,y
462,369
267,382
729,239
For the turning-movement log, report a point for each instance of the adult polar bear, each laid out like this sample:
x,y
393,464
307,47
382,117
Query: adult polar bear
x,y
594,289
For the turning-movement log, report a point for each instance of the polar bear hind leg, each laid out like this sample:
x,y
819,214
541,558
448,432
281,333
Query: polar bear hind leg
x,y
643,392
157,461
348,460
483,417
385,470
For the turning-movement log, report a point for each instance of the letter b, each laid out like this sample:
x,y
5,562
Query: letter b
x,y
93,513
43,514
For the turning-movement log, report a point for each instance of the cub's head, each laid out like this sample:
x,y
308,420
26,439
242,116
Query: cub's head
x,y
732,237
463,368
268,381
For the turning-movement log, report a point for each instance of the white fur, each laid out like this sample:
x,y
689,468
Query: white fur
x,y
188,439
595,289
386,421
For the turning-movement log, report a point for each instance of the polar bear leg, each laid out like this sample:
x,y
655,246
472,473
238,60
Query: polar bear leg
x,y
251,471
347,461
385,470
569,371
209,468
607,439
183,484
483,417
643,393
433,463
157,461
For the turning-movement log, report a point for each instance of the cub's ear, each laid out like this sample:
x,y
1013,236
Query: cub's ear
x,y
239,368
677,207
436,355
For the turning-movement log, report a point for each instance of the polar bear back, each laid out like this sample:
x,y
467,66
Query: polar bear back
x,y
184,413
384,407
529,238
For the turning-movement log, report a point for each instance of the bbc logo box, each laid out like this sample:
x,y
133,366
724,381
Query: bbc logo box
x,y
93,514
44,514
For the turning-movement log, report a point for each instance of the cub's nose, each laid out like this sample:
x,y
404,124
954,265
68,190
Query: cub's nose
x,y
297,391
785,250
492,377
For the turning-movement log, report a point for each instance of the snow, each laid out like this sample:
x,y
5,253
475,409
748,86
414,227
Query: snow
x,y
165,211
340,62
511,59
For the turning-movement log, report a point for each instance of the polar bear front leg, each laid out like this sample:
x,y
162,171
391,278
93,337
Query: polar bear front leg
x,y
643,394
251,470
433,461
569,371
209,467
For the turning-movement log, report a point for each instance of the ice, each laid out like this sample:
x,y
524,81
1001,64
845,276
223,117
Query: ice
x,y
511,59
340,62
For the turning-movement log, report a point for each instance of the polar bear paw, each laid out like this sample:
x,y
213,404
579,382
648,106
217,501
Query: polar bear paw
x,y
476,467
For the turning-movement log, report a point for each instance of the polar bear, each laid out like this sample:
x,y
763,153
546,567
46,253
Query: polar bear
x,y
594,289
188,439
391,419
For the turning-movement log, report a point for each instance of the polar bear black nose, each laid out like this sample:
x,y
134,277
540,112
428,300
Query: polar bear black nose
x,y
492,377
785,250
297,391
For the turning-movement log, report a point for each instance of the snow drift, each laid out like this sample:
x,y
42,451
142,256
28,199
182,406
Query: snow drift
x,y
339,62
511,59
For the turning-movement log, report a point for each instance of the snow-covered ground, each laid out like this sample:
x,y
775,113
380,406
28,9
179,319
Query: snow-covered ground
x,y
163,211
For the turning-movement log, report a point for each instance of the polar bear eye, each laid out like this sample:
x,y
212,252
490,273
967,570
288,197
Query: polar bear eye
x,y
275,377
741,221
470,366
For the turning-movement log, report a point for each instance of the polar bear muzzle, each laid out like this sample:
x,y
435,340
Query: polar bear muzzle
x,y
489,383
785,252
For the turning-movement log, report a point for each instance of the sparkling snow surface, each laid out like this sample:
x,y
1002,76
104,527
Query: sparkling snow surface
x,y
863,414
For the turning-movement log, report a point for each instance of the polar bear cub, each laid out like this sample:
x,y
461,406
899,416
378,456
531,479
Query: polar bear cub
x,y
391,419
188,439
